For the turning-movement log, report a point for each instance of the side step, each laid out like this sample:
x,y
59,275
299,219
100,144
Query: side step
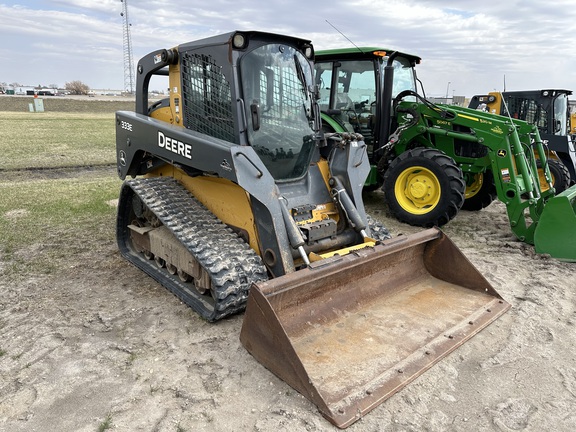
x,y
349,332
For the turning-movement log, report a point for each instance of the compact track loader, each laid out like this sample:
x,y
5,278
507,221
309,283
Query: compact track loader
x,y
238,200
432,160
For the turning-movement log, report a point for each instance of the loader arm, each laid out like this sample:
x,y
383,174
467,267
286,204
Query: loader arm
x,y
507,146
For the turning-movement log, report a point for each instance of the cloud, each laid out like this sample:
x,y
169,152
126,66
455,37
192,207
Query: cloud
x,y
470,45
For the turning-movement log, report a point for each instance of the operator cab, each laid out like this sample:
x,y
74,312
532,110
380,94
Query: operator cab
x,y
352,84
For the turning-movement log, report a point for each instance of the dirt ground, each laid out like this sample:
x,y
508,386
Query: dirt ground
x,y
100,346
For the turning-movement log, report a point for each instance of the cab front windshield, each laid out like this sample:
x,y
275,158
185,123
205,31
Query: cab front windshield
x,y
354,100
279,109
404,78
356,82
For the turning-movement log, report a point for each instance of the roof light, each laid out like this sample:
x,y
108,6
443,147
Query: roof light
x,y
379,53
239,41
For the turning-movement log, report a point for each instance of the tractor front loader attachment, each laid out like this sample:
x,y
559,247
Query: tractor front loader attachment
x,y
350,331
555,233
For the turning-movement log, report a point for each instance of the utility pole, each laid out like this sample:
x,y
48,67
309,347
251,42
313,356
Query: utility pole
x,y
127,43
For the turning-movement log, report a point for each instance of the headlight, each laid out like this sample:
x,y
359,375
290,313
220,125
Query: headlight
x,y
308,52
239,41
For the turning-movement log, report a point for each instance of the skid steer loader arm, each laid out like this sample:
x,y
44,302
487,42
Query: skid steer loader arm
x,y
349,332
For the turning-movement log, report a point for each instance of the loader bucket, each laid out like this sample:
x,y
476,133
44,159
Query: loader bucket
x,y
555,233
348,332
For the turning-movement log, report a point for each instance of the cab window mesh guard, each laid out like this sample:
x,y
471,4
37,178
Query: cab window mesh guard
x,y
207,97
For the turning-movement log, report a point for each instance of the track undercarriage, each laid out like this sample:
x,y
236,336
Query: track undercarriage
x,y
166,232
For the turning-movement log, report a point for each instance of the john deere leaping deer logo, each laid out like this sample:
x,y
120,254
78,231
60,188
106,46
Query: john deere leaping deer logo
x,y
502,153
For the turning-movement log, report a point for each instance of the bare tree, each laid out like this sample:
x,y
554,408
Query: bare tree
x,y
77,87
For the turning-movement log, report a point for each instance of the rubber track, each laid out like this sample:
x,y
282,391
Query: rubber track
x,y
230,261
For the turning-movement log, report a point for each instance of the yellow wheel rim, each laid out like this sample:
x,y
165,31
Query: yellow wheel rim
x,y
475,187
417,190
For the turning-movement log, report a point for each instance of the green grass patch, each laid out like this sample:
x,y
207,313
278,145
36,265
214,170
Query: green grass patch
x,y
48,140
45,221
106,424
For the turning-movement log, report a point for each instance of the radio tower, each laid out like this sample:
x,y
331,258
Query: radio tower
x,y
128,63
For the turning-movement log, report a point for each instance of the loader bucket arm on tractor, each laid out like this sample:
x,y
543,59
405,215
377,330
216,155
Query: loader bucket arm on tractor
x,y
510,146
548,109
239,197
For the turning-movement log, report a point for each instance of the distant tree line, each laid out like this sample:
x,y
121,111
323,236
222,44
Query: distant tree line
x,y
74,87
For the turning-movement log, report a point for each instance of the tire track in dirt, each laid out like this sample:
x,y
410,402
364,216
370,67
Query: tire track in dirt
x,y
54,173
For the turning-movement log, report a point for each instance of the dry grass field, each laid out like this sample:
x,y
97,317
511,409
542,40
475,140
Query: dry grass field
x,y
68,104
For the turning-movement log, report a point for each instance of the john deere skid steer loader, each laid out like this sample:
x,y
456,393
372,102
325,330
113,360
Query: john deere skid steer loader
x,y
431,160
237,199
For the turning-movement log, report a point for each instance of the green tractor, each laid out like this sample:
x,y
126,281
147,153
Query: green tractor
x,y
431,160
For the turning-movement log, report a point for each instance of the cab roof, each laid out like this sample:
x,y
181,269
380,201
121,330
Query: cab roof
x,y
361,52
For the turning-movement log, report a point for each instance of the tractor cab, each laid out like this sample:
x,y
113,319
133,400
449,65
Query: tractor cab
x,y
353,85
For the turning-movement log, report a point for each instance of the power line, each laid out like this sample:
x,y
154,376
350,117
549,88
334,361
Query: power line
x,y
127,43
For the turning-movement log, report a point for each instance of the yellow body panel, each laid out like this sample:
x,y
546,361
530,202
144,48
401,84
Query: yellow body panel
x,y
172,114
176,94
164,114
325,170
327,210
368,242
496,106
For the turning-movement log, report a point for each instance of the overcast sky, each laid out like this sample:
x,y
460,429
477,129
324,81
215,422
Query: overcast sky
x,y
467,47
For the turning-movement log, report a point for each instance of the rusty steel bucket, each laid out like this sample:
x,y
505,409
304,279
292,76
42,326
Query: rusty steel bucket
x,y
348,332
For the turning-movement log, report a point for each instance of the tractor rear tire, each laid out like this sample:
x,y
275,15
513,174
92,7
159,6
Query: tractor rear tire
x,y
480,193
424,187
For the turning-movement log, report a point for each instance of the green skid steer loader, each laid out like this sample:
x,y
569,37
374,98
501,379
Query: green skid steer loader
x,y
431,160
